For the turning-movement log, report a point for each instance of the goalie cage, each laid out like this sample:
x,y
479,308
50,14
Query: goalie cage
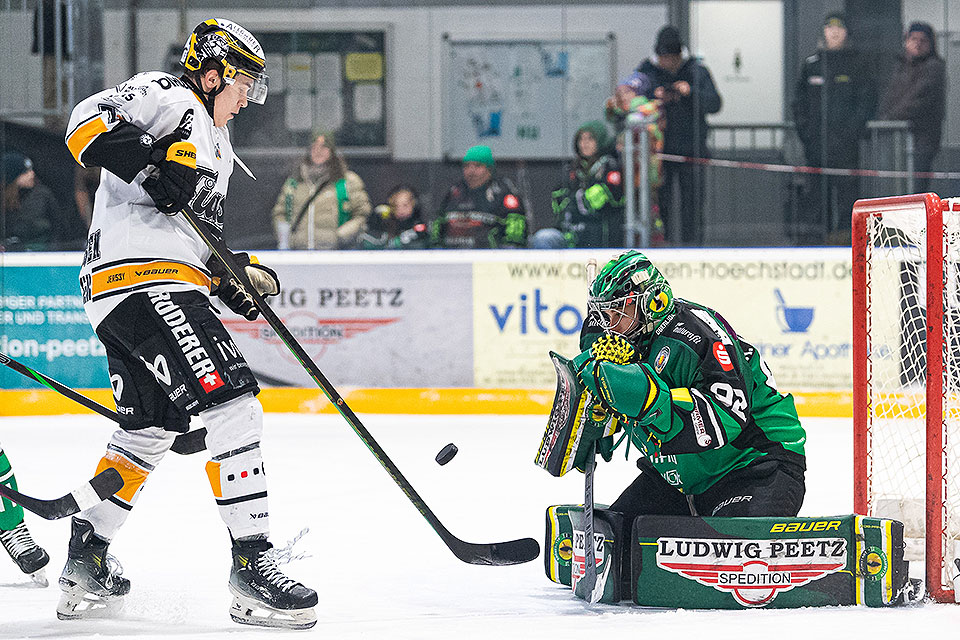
x,y
906,375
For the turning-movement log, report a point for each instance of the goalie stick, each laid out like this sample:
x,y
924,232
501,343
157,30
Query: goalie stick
x,y
497,553
90,493
588,583
184,444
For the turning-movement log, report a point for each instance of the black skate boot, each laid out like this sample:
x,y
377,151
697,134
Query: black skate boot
x,y
263,595
91,580
29,556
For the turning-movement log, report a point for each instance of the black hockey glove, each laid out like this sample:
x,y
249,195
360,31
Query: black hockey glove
x,y
233,294
173,187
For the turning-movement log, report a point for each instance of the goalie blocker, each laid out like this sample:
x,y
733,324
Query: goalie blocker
x,y
734,563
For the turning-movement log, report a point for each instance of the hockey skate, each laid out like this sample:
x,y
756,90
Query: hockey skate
x,y
263,595
29,556
91,581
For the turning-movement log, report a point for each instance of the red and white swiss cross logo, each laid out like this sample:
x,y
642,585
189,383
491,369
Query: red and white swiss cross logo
x,y
510,201
211,381
613,177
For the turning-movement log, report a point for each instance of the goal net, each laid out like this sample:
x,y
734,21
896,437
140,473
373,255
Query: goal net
x,y
906,375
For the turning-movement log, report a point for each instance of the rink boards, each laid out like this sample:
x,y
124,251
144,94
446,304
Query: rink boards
x,y
449,331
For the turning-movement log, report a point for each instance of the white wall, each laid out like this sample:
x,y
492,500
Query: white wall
x,y
750,31
415,45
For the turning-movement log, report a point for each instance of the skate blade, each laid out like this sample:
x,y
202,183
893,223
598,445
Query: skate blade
x,y
246,610
77,604
39,578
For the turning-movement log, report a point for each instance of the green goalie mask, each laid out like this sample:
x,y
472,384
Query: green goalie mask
x,y
629,287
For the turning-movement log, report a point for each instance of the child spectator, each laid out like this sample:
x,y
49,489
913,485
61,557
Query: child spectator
x,y
397,224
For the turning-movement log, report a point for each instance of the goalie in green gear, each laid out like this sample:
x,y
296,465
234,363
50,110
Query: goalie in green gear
x,y
718,439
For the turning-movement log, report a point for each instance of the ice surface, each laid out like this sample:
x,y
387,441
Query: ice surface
x,y
380,570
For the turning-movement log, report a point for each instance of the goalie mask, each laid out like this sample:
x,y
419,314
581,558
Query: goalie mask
x,y
630,296
234,49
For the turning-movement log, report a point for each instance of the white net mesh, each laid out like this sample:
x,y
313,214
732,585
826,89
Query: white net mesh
x,y
897,366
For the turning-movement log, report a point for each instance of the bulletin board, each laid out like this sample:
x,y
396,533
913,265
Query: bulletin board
x,y
523,98
320,81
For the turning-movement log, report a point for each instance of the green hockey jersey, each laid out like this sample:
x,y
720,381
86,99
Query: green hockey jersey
x,y
710,403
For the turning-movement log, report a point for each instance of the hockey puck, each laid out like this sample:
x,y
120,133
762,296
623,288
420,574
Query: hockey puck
x,y
446,454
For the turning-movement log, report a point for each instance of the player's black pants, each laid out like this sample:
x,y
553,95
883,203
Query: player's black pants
x,y
763,488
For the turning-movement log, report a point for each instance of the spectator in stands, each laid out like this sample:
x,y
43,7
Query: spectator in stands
x,y
917,93
834,100
29,207
322,205
624,99
398,224
589,204
85,183
481,211
687,93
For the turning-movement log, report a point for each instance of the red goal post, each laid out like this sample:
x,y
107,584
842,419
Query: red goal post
x,y
906,374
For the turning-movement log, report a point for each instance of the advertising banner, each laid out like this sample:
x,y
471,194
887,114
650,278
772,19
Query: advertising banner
x,y
367,324
794,305
42,324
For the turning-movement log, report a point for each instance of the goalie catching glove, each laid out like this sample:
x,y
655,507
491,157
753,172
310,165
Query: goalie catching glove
x,y
609,369
234,294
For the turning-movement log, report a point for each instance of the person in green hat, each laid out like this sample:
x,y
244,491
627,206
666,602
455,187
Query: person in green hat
x,y
589,204
481,211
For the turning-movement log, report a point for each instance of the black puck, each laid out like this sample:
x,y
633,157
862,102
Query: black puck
x,y
446,454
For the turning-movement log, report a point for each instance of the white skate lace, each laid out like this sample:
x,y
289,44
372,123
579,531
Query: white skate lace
x,y
17,541
267,567
286,554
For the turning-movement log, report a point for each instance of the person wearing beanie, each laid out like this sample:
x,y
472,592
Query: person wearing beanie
x,y
917,92
833,101
687,94
481,211
589,204
29,207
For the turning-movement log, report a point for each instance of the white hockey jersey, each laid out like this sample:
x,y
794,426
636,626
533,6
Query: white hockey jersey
x,y
131,246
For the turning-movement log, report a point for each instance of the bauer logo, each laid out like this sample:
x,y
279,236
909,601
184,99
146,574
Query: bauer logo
x,y
753,572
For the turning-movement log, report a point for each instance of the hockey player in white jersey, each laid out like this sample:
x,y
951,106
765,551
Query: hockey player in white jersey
x,y
145,279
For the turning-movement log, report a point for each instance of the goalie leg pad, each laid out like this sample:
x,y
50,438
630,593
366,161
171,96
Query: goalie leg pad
x,y
737,563
564,556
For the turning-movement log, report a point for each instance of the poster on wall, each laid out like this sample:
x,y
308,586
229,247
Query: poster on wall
x,y
331,81
523,98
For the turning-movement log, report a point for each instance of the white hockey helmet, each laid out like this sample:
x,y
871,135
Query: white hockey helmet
x,y
234,48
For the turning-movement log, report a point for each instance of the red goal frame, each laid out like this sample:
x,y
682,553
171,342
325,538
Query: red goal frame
x,y
936,460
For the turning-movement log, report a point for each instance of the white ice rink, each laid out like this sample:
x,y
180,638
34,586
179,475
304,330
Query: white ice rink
x,y
379,569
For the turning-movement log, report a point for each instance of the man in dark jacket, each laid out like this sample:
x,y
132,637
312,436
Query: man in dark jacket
x,y
688,94
834,99
917,93
481,211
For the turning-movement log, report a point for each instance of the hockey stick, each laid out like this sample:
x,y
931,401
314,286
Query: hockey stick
x,y
90,493
499,553
184,444
589,579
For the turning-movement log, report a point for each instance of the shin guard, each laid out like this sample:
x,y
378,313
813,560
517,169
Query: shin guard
x,y
11,514
134,454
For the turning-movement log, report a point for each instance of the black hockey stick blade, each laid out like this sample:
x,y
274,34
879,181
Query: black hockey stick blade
x,y
496,554
94,491
184,444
